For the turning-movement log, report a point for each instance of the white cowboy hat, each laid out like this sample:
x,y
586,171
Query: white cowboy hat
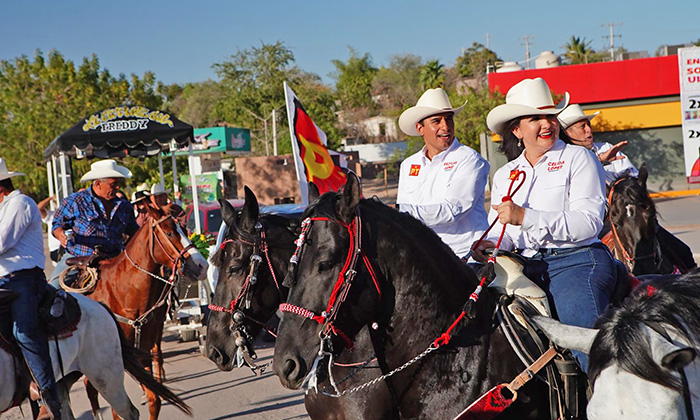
x,y
107,168
158,189
573,114
4,173
433,101
527,97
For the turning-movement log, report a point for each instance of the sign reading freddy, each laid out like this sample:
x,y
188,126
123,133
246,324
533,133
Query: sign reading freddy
x,y
689,69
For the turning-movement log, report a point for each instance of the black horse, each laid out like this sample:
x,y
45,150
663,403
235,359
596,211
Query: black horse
x,y
635,236
273,240
408,287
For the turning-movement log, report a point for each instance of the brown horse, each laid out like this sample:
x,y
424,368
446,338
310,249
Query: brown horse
x,y
134,286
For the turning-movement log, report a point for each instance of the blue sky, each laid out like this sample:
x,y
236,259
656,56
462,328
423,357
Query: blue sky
x,y
179,40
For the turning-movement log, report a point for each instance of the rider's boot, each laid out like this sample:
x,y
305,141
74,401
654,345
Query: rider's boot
x,y
51,407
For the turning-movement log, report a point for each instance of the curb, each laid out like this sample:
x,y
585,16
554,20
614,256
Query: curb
x,y
672,194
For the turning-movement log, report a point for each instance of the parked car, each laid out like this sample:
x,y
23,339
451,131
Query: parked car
x,y
209,216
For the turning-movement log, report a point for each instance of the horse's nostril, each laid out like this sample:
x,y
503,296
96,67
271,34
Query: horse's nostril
x,y
217,356
290,370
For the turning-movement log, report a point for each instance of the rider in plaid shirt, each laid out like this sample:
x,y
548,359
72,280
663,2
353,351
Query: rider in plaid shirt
x,y
96,216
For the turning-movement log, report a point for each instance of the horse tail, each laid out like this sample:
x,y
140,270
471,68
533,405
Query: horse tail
x,y
132,358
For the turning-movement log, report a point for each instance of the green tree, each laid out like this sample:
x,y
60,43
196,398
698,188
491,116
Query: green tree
x,y
397,86
354,79
578,51
44,96
196,102
474,61
431,75
252,87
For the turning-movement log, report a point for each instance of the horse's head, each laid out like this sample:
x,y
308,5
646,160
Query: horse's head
x,y
170,246
640,352
251,261
633,220
334,289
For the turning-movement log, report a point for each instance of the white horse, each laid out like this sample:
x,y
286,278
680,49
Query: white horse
x,y
97,350
643,362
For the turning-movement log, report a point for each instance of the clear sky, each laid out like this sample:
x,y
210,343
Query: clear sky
x,y
180,40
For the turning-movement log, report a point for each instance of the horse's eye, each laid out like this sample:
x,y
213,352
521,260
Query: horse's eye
x,y
325,266
169,234
234,269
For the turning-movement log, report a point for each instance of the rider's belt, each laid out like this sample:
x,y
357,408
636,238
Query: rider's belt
x,y
556,251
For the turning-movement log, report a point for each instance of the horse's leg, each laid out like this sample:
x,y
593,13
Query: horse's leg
x,y
93,397
110,384
62,389
157,356
154,403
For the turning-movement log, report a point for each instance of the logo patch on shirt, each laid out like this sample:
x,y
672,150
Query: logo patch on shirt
x,y
554,166
414,170
448,166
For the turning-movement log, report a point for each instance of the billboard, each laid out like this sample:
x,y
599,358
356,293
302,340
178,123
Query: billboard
x,y
689,69
208,188
218,140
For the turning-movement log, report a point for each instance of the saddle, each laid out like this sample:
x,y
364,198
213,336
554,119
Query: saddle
x,y
519,299
60,327
85,280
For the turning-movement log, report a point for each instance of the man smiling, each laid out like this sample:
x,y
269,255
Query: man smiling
x,y
443,184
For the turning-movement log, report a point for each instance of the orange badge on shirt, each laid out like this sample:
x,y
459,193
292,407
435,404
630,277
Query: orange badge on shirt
x,y
414,170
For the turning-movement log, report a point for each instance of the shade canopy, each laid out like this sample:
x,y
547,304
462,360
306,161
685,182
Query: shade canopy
x,y
121,131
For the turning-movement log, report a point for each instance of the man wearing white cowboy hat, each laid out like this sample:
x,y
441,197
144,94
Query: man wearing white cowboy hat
x,y
557,211
443,184
22,270
140,199
577,130
97,218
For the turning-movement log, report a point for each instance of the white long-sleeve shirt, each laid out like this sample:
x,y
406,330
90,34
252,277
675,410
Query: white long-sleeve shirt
x,y
563,196
446,193
616,168
21,235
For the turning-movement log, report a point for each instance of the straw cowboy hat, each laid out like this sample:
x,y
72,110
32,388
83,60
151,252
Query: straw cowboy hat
x,y
107,168
4,173
527,97
573,114
158,189
433,101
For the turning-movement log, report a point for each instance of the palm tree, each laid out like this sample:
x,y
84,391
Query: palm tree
x,y
578,50
431,75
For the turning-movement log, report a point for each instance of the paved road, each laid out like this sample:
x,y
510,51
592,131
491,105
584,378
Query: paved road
x,y
213,394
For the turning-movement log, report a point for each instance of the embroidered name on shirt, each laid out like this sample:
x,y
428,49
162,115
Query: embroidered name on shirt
x,y
414,170
448,166
554,166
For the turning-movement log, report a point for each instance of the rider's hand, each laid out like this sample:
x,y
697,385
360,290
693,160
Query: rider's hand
x,y
478,252
611,154
510,213
61,236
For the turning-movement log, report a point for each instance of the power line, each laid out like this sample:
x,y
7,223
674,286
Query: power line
x,y
527,48
612,37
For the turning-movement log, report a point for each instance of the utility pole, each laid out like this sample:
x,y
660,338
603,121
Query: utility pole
x,y
527,48
488,44
274,132
612,38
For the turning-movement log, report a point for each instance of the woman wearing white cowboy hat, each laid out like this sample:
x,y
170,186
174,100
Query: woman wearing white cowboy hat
x,y
443,184
555,217
577,130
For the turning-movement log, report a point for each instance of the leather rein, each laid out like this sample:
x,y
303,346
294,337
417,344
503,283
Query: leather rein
x,y
168,249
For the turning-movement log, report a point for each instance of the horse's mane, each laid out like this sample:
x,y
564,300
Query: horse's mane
x,y
273,225
402,223
622,341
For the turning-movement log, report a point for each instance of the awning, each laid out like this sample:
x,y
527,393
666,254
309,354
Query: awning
x,y
122,131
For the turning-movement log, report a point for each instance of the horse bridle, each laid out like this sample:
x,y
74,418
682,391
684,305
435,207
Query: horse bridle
x,y
243,339
143,319
629,261
343,282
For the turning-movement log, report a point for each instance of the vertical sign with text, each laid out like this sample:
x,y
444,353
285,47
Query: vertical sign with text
x,y
689,68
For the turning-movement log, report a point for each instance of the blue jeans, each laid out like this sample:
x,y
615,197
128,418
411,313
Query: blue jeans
x,y
60,268
31,286
579,281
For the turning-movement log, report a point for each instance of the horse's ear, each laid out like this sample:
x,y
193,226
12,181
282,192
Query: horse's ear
x,y
314,193
349,198
643,175
154,212
228,213
567,336
250,211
